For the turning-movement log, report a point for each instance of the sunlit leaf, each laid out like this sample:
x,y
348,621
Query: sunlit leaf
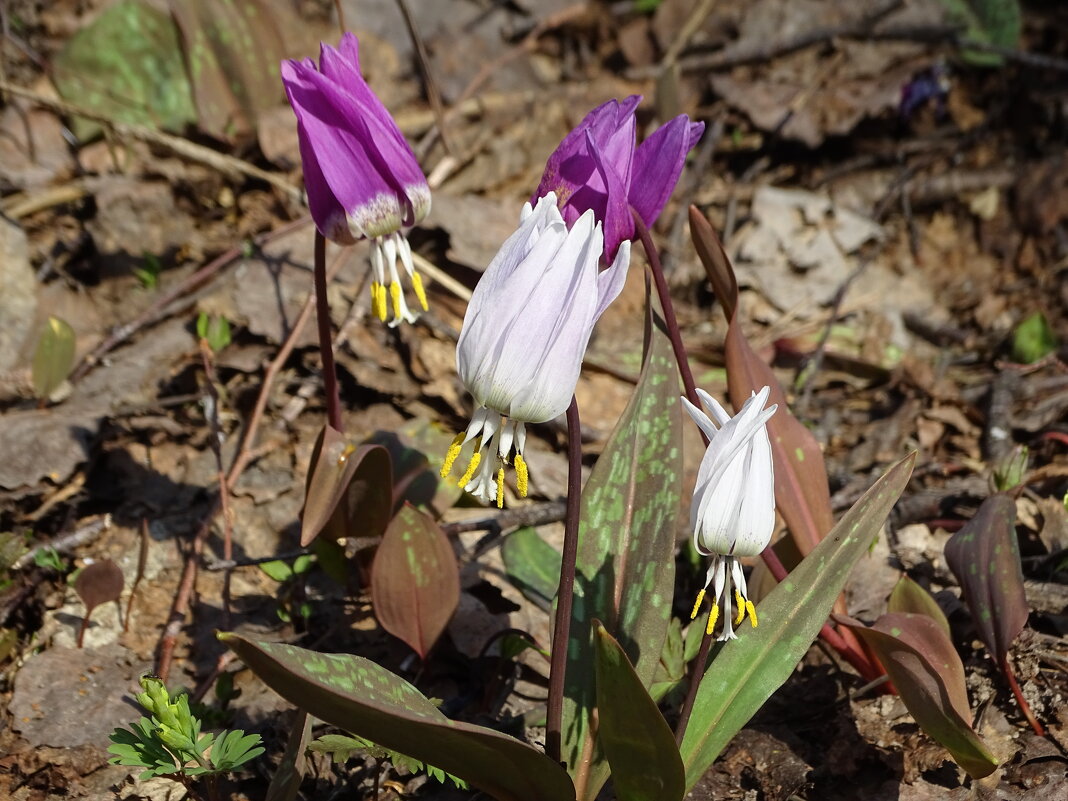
x,y
927,672
415,581
625,570
985,557
748,670
532,565
349,491
126,65
232,50
639,744
53,358
908,596
361,697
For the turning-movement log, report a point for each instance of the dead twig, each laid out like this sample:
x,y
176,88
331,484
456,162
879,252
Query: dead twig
x,y
433,94
65,543
228,165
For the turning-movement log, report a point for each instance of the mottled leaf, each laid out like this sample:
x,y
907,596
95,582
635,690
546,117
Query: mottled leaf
x,y
361,697
532,565
127,66
625,570
995,22
671,668
53,358
909,597
748,670
349,491
415,581
232,51
985,557
921,662
639,744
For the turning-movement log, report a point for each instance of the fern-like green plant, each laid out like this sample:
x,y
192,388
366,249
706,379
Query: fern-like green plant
x,y
341,747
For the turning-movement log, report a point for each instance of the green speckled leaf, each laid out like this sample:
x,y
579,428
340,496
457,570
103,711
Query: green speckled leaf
x,y
532,565
415,582
625,571
985,557
126,65
361,697
637,740
923,665
748,670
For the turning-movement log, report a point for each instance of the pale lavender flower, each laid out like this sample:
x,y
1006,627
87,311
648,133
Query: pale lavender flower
x,y
733,510
524,335
361,176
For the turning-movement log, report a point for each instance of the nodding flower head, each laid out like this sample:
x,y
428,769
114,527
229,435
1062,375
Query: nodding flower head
x,y
733,509
524,335
361,176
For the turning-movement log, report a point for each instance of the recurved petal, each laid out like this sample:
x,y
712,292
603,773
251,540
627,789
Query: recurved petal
x,y
610,281
658,163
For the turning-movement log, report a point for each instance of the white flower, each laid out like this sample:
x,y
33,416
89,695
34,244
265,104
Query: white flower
x,y
524,335
733,508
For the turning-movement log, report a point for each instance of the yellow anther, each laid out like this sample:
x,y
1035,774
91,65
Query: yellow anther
x,y
395,294
751,611
378,300
500,488
697,604
469,473
713,616
417,285
521,475
451,454
740,603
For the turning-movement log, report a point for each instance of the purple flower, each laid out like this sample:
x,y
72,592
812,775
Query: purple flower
x,y
524,335
361,176
597,167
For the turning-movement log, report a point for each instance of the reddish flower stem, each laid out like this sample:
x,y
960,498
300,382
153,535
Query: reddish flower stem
x,y
1006,668
565,595
326,350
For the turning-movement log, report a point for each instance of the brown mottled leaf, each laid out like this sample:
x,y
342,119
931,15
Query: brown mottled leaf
x,y
361,697
985,557
232,51
921,662
349,491
908,596
415,581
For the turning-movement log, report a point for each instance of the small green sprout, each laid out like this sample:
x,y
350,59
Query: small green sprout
x,y
215,328
149,274
170,743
